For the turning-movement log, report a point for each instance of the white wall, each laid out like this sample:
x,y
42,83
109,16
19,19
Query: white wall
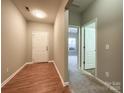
x,y
36,26
13,38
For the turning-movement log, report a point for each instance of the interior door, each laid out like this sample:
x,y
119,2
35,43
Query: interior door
x,y
40,46
90,46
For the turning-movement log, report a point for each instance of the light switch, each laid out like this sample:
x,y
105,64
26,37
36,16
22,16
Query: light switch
x,y
107,46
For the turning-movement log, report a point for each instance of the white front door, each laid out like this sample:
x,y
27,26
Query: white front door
x,y
40,46
90,46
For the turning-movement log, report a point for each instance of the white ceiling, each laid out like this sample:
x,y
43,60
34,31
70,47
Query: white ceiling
x,y
80,5
50,7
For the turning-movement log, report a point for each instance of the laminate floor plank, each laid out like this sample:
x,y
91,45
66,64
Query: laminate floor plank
x,y
35,78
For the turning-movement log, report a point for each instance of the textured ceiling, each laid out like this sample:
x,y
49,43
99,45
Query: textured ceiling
x,y
50,7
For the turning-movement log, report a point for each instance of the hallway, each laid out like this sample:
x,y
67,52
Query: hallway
x,y
80,82
34,31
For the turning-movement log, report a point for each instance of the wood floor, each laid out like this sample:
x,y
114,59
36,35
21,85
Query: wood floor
x,y
36,78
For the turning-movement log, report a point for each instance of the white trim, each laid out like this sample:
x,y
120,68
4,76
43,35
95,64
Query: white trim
x,y
66,83
63,83
50,61
12,75
35,62
102,82
30,63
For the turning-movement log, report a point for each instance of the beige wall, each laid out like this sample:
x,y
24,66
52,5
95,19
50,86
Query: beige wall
x,y
36,26
109,31
60,41
13,35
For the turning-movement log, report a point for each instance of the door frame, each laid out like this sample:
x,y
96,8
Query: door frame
x,y
83,31
78,47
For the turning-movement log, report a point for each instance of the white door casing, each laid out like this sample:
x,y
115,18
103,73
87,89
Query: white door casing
x,y
40,46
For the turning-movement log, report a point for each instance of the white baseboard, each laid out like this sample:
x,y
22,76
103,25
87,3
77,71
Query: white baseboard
x,y
35,62
66,83
63,83
51,61
102,82
29,62
12,75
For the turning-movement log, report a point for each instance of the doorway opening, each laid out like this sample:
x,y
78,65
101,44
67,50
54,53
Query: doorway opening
x,y
89,47
73,47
